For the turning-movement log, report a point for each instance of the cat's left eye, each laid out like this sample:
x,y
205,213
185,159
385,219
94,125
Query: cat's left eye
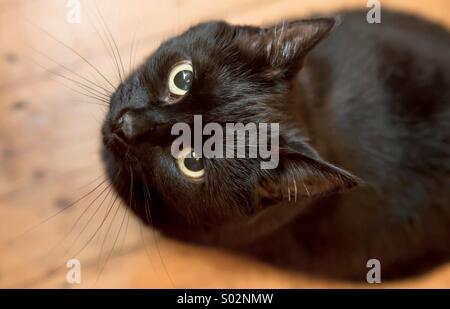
x,y
180,78
190,165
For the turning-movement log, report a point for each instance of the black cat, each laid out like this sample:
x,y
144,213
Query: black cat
x,y
370,100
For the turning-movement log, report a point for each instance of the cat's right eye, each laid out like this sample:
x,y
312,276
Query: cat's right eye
x,y
180,78
190,165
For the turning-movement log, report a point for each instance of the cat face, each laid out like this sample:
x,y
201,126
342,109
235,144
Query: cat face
x,y
226,74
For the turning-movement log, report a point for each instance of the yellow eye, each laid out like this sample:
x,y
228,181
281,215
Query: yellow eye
x,y
180,78
189,165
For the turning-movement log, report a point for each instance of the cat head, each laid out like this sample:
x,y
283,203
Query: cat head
x,y
226,74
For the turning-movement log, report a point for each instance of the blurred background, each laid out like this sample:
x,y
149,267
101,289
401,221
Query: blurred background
x,y
49,144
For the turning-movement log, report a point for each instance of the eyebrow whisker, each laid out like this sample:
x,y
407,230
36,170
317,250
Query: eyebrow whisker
x,y
112,58
92,93
73,51
111,39
105,92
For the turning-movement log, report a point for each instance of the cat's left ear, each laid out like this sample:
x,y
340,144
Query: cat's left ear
x,y
285,44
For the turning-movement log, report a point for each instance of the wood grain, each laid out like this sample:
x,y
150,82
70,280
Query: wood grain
x,y
49,147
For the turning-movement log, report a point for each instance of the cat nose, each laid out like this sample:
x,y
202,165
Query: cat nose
x,y
134,125
125,126
130,125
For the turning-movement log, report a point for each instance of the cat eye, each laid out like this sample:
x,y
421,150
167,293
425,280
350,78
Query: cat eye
x,y
190,165
180,78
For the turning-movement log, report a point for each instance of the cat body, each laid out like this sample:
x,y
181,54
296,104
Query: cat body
x,y
364,114
375,100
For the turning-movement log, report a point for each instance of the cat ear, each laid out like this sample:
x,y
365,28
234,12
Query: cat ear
x,y
299,176
287,43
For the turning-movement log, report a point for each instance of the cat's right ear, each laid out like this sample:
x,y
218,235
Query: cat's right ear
x,y
284,45
300,176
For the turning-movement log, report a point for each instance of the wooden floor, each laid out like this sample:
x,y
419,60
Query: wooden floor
x,y
49,147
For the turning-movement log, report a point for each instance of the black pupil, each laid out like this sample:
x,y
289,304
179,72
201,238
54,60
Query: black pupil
x,y
183,80
193,164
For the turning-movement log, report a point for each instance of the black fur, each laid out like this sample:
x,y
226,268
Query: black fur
x,y
371,99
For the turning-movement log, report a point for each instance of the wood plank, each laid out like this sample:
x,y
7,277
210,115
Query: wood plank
x,y
49,147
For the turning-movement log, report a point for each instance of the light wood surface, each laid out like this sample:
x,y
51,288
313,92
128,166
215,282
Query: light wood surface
x,y
49,147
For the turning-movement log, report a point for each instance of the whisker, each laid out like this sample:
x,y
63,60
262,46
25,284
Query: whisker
x,y
105,92
131,187
99,227
126,229
147,206
103,34
73,51
92,182
76,222
114,244
130,64
289,192
44,257
131,199
33,228
107,234
135,50
111,199
101,102
90,218
111,38
306,188
90,94
127,208
104,102
146,249
91,103
112,58
295,186
109,228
